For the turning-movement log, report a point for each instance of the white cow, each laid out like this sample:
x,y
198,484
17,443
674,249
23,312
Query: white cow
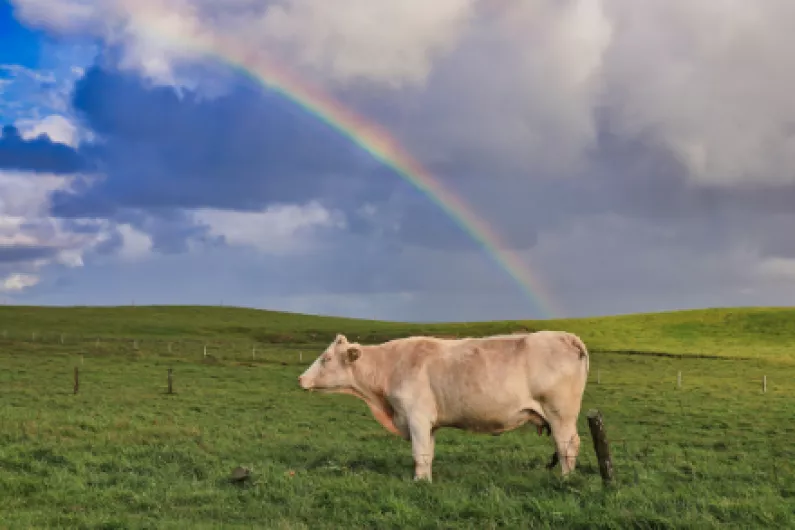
x,y
495,384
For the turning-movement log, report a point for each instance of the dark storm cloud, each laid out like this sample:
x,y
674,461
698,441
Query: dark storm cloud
x,y
39,154
161,152
240,151
23,253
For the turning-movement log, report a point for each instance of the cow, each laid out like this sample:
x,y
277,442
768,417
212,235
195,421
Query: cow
x,y
495,384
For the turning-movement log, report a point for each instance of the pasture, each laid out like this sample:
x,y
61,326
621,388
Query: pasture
x,y
122,453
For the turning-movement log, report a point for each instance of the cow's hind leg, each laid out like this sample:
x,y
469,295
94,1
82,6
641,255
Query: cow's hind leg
x,y
422,448
567,441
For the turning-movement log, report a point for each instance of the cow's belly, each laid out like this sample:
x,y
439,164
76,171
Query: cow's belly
x,y
490,416
488,424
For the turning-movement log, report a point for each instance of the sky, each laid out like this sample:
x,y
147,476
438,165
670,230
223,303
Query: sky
x,y
632,156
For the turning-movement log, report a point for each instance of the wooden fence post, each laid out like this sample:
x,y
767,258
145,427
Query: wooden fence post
x,y
170,381
77,381
601,447
679,379
598,376
764,384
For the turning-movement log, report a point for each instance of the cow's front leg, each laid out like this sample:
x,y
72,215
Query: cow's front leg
x,y
422,448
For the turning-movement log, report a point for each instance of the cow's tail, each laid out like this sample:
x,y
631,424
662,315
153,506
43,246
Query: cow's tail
x,y
580,345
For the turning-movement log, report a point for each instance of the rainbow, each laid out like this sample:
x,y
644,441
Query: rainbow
x,y
363,133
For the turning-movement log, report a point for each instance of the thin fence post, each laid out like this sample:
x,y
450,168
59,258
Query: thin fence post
x,y
601,447
169,347
135,344
598,376
679,379
61,338
82,360
253,352
764,384
77,380
301,356
33,336
170,381
205,350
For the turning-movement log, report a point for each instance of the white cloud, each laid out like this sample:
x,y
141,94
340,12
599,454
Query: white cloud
x,y
394,42
18,282
72,16
58,128
708,80
777,269
279,229
521,89
390,41
136,245
711,80
25,223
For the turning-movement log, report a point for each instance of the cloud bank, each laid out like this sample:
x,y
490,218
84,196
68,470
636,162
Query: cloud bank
x,y
639,155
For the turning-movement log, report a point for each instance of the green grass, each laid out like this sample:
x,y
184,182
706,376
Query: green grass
x,y
124,454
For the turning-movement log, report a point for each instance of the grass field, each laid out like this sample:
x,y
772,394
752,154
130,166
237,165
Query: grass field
x,y
124,454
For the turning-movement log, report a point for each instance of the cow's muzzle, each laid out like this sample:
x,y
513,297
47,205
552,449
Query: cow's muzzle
x,y
304,382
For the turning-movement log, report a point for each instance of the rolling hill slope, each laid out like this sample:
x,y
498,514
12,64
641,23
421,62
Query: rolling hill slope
x,y
729,332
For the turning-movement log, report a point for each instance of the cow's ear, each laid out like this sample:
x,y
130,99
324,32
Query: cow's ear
x,y
341,339
353,353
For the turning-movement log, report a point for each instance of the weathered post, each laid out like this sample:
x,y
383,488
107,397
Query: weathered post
x,y
77,380
169,347
601,447
598,376
764,384
170,381
679,379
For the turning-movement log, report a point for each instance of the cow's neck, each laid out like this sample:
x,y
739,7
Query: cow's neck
x,y
371,385
368,379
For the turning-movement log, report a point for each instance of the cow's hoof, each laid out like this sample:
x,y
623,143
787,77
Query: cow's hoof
x,y
553,461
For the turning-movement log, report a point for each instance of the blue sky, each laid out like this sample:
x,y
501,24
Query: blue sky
x,y
626,174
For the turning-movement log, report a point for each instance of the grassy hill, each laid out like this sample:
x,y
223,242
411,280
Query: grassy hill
x,y
725,332
123,453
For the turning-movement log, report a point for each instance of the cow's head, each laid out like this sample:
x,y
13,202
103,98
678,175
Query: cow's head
x,y
332,369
